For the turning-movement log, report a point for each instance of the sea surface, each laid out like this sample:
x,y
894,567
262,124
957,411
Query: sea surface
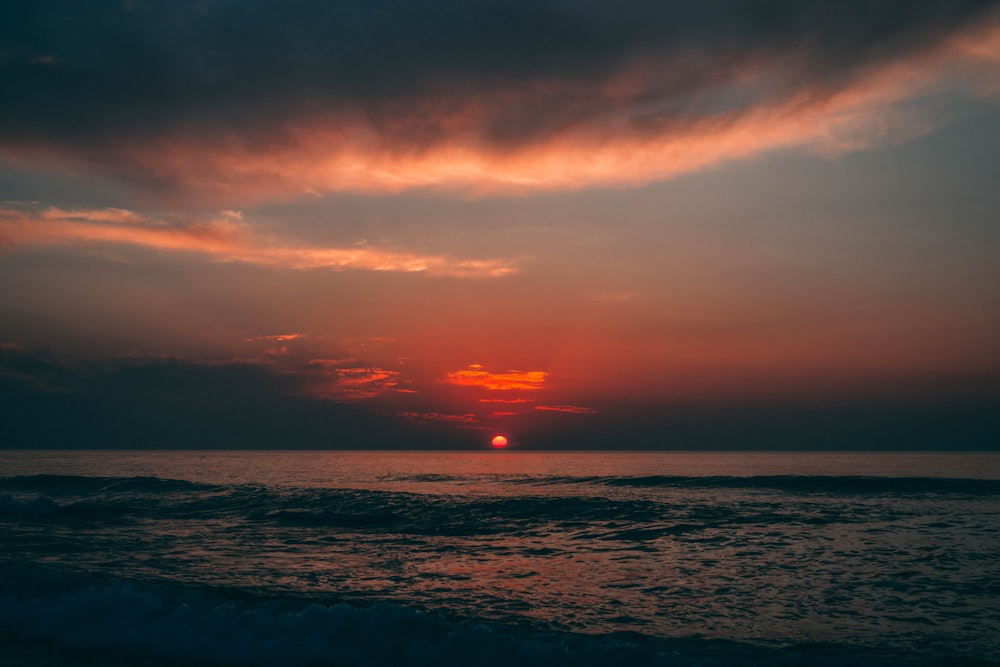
x,y
499,558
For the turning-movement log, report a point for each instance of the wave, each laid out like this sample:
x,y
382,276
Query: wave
x,y
88,499
623,517
133,621
68,498
73,484
77,484
792,483
34,507
46,509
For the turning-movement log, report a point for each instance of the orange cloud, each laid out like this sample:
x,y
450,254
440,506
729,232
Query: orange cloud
x,y
570,409
115,215
477,376
624,135
505,401
54,226
354,377
225,240
330,363
364,382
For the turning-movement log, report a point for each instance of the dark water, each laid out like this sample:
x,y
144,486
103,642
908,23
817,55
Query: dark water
x,y
503,557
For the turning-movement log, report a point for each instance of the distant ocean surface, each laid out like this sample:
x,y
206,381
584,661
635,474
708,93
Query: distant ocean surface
x,y
498,558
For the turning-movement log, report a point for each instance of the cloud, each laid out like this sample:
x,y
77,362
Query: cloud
x,y
427,417
352,382
507,95
331,363
225,239
476,375
140,402
569,409
161,402
34,368
364,376
110,215
278,338
112,225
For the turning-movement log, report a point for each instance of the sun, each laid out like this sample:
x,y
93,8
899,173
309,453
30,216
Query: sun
x,y
499,441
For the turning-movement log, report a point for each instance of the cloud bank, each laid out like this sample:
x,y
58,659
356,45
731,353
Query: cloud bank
x,y
167,402
253,100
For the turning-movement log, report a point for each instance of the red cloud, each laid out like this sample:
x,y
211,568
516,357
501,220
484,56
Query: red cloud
x,y
425,417
351,383
570,409
330,363
353,377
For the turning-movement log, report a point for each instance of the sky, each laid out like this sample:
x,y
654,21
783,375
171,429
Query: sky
x,y
765,224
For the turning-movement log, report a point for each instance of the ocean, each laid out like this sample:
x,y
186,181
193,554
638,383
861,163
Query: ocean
x,y
498,558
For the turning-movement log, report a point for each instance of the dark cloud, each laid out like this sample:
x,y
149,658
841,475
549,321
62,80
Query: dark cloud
x,y
99,78
150,403
34,369
887,423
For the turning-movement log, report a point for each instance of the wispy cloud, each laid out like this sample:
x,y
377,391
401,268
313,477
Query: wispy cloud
x,y
570,409
224,239
355,383
109,215
331,363
426,417
278,338
476,375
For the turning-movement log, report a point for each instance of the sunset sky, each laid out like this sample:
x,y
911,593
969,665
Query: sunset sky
x,y
581,224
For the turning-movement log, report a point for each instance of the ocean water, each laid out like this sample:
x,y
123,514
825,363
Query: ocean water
x,y
499,558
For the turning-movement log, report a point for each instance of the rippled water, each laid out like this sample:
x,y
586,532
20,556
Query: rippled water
x,y
889,558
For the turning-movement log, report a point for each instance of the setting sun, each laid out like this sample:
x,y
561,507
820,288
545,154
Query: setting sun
x,y
499,441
